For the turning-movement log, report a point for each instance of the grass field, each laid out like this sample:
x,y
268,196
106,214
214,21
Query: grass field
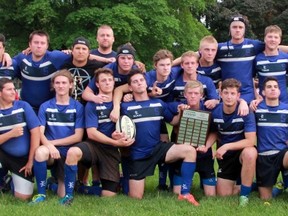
x,y
154,203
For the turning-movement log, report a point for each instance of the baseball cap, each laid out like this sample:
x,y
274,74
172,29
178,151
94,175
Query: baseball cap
x,y
126,49
81,40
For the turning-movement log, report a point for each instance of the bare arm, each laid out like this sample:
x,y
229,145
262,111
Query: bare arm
x,y
15,132
34,143
248,141
117,97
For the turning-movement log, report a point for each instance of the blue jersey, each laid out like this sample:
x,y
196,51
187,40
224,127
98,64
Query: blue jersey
x,y
119,79
23,115
60,121
213,71
7,72
231,127
147,116
275,66
272,127
36,76
167,86
236,61
112,54
208,86
97,116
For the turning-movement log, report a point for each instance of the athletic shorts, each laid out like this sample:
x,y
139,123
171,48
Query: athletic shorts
x,y
205,167
58,167
106,159
14,164
139,169
230,166
268,168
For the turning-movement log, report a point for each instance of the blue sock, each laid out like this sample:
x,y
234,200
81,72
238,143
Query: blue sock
x,y
187,173
40,172
163,170
245,190
70,178
53,187
90,190
125,178
285,178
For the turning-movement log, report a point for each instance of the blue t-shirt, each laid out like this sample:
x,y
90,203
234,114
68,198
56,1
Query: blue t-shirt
x,y
208,86
119,79
167,86
275,66
236,61
231,127
60,121
23,115
36,76
272,127
97,116
113,54
213,71
147,116
7,72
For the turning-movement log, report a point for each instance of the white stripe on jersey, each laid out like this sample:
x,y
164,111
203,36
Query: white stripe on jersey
x,y
156,118
69,124
10,127
37,78
231,132
270,124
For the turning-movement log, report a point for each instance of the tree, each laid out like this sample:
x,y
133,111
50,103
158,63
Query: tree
x,y
148,25
260,14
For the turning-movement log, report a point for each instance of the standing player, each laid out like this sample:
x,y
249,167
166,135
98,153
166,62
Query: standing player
x,y
193,92
7,72
101,149
272,61
236,136
271,118
124,63
81,67
189,65
36,69
62,125
207,65
237,55
105,39
148,150
19,138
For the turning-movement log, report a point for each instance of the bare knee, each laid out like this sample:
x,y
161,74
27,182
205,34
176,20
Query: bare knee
x,y
74,154
42,153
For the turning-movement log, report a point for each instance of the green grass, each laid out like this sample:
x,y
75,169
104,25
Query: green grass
x,y
154,203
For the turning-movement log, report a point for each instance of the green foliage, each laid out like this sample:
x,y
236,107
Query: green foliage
x,y
148,25
260,14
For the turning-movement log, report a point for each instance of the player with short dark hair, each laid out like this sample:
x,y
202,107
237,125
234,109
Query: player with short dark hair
x,y
148,150
100,149
20,136
236,137
271,119
36,69
62,126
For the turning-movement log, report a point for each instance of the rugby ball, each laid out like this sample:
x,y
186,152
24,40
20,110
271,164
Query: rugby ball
x,y
125,124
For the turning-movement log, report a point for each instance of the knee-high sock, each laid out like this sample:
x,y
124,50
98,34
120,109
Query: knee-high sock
x,y
187,173
70,178
40,172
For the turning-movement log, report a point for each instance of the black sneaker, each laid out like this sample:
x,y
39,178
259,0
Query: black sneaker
x,y
163,188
